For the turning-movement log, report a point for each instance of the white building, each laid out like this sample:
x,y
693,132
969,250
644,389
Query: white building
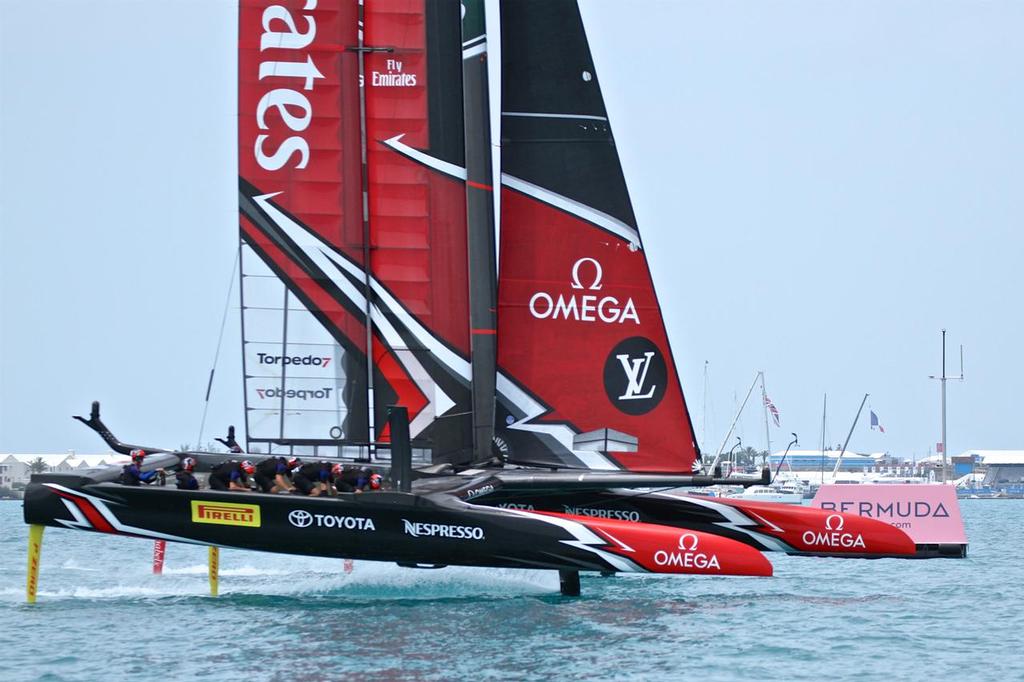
x,y
15,469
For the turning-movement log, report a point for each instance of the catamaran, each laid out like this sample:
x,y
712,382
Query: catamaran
x,y
442,278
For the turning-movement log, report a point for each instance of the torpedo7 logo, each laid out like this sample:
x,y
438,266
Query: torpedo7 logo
x,y
268,359
295,393
635,376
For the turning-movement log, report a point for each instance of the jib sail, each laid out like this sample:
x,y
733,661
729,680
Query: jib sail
x,y
586,375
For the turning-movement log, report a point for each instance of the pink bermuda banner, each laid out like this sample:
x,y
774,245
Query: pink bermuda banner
x,y
927,513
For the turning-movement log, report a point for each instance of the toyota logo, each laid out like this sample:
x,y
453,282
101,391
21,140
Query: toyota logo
x,y
300,518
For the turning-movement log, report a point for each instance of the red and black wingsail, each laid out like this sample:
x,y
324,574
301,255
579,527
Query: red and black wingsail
x,y
586,374
353,220
417,216
299,166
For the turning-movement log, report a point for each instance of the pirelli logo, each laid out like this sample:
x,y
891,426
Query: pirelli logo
x,y
226,513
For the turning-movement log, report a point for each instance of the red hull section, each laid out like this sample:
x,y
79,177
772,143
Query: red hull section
x,y
825,532
663,549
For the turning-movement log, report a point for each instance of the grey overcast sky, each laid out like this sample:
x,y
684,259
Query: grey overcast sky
x,y
821,187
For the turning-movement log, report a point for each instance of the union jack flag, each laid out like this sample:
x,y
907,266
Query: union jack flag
x,y
772,409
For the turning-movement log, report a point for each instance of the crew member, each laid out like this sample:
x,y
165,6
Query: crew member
x,y
274,474
186,479
313,479
132,474
348,479
232,475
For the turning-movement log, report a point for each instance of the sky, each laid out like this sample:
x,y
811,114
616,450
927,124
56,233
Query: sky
x,y
821,187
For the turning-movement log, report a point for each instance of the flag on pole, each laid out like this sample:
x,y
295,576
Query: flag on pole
x,y
772,409
875,424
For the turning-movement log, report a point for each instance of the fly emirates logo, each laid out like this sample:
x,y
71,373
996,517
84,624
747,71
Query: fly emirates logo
x,y
287,36
688,556
585,301
833,535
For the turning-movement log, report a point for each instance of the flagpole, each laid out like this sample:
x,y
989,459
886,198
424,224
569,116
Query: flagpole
x,y
764,406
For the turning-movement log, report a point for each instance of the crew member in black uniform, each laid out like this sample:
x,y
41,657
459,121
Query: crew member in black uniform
x,y
132,474
186,479
313,479
274,474
348,479
232,475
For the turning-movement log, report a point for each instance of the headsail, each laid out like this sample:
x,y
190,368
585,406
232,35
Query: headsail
x,y
586,375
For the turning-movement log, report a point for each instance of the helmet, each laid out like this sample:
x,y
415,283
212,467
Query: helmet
x,y
188,464
294,462
375,481
138,455
247,466
336,470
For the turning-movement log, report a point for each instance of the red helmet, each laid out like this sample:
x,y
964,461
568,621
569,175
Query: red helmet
x,y
294,462
375,481
247,467
138,455
188,464
336,470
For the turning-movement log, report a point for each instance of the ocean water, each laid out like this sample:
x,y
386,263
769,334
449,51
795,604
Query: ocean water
x,y
102,615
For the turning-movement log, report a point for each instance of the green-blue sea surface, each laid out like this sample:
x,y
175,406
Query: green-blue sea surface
x,y
102,615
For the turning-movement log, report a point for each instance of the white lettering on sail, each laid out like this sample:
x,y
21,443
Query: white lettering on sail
x,y
394,77
587,275
292,107
636,375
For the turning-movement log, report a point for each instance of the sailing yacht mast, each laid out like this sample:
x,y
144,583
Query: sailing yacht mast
x,y
480,227
764,407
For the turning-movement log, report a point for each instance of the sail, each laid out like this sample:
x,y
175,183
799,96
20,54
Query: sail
x,y
301,224
417,218
586,374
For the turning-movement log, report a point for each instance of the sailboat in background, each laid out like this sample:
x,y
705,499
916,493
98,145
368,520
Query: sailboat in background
x,y
443,279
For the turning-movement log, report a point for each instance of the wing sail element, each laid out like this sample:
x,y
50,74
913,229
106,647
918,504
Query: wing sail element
x,y
589,376
300,205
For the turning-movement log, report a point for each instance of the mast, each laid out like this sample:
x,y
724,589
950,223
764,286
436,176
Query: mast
x,y
704,411
942,383
764,406
480,224
824,410
839,460
732,426
364,184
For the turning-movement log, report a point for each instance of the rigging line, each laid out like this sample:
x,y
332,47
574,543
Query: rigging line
x,y
216,354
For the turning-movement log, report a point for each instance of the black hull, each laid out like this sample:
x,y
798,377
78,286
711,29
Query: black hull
x,y
405,528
